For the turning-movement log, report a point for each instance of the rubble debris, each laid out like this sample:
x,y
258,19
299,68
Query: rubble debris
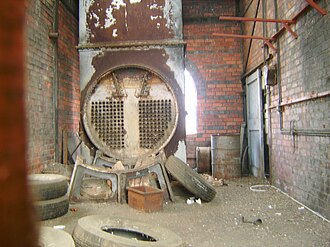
x,y
192,200
118,166
73,209
217,182
255,222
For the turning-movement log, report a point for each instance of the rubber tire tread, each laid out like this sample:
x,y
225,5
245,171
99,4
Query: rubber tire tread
x,y
190,179
54,186
56,238
88,233
53,208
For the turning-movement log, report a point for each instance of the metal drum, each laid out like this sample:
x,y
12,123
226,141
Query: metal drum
x,y
225,156
203,159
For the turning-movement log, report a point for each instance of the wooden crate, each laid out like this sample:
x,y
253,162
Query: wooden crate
x,y
145,198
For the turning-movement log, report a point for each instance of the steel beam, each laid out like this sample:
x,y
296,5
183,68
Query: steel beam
x,y
267,41
317,7
234,18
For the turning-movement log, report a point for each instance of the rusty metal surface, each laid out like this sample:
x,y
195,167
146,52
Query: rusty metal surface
x,y
157,60
122,20
203,159
118,35
225,156
129,113
145,198
134,44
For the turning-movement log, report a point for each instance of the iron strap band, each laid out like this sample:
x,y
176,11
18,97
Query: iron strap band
x,y
131,44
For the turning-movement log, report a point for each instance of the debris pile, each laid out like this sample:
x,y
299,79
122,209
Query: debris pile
x,y
216,182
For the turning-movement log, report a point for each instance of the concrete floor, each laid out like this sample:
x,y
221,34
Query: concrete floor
x,y
219,222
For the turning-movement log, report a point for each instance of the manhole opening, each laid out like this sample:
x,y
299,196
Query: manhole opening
x,y
129,234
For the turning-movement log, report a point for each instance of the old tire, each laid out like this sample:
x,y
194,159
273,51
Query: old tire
x,y
50,237
191,180
88,233
48,186
53,208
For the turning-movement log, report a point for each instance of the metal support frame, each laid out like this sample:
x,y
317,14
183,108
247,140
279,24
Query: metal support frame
x,y
234,18
267,41
317,7
285,23
119,178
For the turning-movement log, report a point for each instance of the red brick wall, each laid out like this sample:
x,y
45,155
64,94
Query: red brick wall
x,y
39,66
299,165
40,80
216,65
69,87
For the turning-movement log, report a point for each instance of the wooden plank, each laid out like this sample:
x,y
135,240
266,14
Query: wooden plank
x,y
65,147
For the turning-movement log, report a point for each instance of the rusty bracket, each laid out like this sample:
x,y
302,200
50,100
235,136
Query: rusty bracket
x,y
119,90
285,23
270,45
267,41
317,7
288,28
145,89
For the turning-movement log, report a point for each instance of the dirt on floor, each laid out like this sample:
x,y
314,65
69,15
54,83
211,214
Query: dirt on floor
x,y
278,220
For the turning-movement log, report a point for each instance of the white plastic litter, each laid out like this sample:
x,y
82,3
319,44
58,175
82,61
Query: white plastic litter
x,y
190,201
59,227
198,201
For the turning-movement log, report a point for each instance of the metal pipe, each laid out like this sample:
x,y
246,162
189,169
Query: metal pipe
x,y
317,7
266,40
306,132
241,36
312,96
234,18
54,39
278,70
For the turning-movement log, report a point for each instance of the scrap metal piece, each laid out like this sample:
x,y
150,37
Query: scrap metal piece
x,y
255,222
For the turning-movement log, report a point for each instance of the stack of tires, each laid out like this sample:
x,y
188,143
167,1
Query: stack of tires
x,y
50,193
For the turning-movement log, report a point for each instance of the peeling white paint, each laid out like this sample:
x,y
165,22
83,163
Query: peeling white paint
x,y
154,17
97,24
118,3
158,25
181,151
154,6
134,1
114,33
86,66
176,64
110,21
126,25
168,13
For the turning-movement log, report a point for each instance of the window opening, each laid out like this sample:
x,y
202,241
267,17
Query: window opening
x,y
190,103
